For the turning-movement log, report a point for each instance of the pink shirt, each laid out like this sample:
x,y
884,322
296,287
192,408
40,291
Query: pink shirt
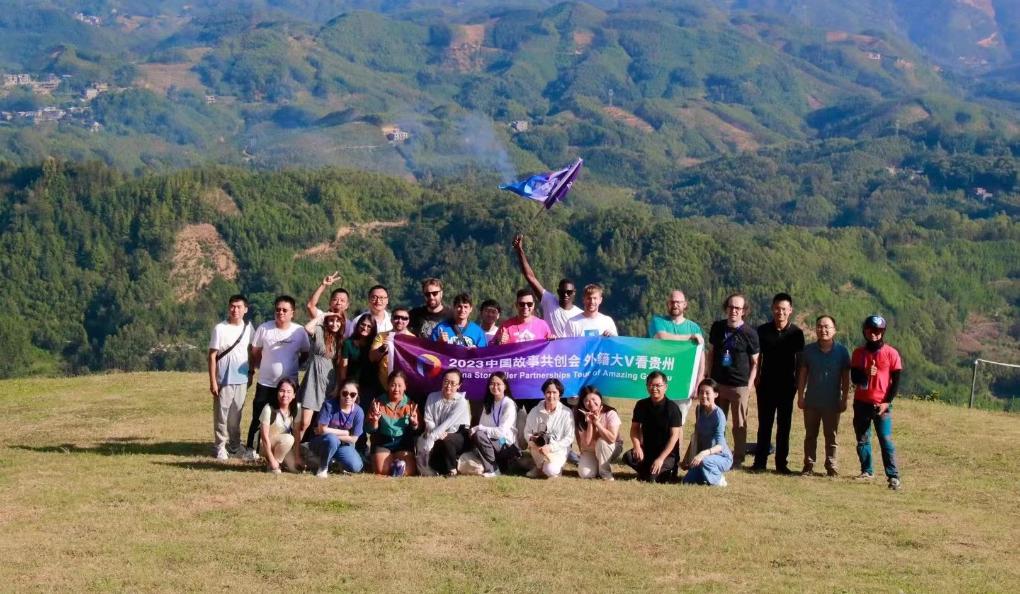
x,y
518,330
612,422
887,359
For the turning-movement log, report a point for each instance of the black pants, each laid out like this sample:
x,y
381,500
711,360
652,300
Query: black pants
x,y
264,396
446,451
775,405
644,468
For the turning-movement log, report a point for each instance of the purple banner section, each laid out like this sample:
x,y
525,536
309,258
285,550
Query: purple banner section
x,y
617,366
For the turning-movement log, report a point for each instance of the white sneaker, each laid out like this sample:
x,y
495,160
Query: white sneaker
x,y
221,454
722,482
250,455
492,474
324,473
276,470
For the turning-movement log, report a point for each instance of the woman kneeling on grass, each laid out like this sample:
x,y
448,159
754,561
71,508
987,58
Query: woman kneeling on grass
x,y
598,435
392,423
277,428
496,432
341,423
713,457
550,432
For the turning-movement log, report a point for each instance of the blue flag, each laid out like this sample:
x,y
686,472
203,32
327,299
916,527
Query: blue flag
x,y
547,188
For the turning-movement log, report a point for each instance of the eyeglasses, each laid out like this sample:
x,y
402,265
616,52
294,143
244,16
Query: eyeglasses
x,y
349,394
378,297
451,383
282,310
735,307
566,291
525,304
401,318
657,386
433,293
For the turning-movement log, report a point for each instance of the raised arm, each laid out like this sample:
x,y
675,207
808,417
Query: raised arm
x,y
526,270
312,307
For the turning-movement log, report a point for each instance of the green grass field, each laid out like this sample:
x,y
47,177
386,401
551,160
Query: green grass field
x,y
107,483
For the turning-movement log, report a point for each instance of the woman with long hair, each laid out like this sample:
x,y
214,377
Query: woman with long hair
x,y
319,383
496,431
355,364
276,434
598,434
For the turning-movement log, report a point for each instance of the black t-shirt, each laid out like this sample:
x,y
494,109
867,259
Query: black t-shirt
x,y
741,343
424,321
779,350
656,420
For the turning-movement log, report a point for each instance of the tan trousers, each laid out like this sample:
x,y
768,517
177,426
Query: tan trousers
x,y
283,450
551,465
734,401
597,462
227,417
829,420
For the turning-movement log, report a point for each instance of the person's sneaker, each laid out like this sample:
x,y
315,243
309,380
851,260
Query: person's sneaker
x,y
573,457
756,468
894,483
607,476
221,455
807,471
323,473
451,474
784,470
535,472
722,482
864,476
492,474
832,472
250,455
276,470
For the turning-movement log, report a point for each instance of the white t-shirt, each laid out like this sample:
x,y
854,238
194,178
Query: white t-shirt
x,y
596,326
557,317
384,326
280,350
283,423
232,369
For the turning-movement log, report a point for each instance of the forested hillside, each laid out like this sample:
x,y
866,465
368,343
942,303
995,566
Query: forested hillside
x,y
93,274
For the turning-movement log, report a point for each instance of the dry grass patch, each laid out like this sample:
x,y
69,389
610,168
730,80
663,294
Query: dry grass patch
x,y
108,484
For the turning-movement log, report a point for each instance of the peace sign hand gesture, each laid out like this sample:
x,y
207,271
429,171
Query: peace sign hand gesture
x,y
329,279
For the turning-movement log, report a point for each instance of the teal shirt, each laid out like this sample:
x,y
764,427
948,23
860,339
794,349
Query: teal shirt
x,y
661,324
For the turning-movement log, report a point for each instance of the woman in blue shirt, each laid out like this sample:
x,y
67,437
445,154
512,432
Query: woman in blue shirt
x,y
713,456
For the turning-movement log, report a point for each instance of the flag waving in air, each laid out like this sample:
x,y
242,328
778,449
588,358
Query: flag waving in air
x,y
547,188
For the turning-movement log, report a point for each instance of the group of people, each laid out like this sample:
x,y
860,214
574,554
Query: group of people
x,y
351,409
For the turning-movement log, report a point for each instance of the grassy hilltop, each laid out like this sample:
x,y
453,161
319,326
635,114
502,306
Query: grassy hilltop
x,y
108,485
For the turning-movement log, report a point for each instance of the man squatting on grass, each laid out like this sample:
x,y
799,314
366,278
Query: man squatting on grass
x,y
443,429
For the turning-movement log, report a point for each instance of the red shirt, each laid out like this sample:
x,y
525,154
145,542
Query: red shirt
x,y
887,359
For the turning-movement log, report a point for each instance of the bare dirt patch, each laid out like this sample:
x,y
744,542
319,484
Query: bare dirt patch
x,y
732,135
221,201
200,255
984,6
814,102
841,36
160,77
990,41
342,232
583,39
465,51
913,114
628,118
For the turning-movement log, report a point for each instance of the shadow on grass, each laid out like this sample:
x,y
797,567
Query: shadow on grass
x,y
215,466
126,446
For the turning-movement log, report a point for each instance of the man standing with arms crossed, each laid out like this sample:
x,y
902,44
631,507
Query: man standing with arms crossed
x,y
556,309
674,326
277,351
781,344
732,361
228,377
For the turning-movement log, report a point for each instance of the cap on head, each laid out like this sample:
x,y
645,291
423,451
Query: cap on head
x,y
874,322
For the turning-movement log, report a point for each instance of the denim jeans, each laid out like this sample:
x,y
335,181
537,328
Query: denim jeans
x,y
329,447
864,415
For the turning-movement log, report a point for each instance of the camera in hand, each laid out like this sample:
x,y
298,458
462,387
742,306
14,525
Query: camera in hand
x,y
540,439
